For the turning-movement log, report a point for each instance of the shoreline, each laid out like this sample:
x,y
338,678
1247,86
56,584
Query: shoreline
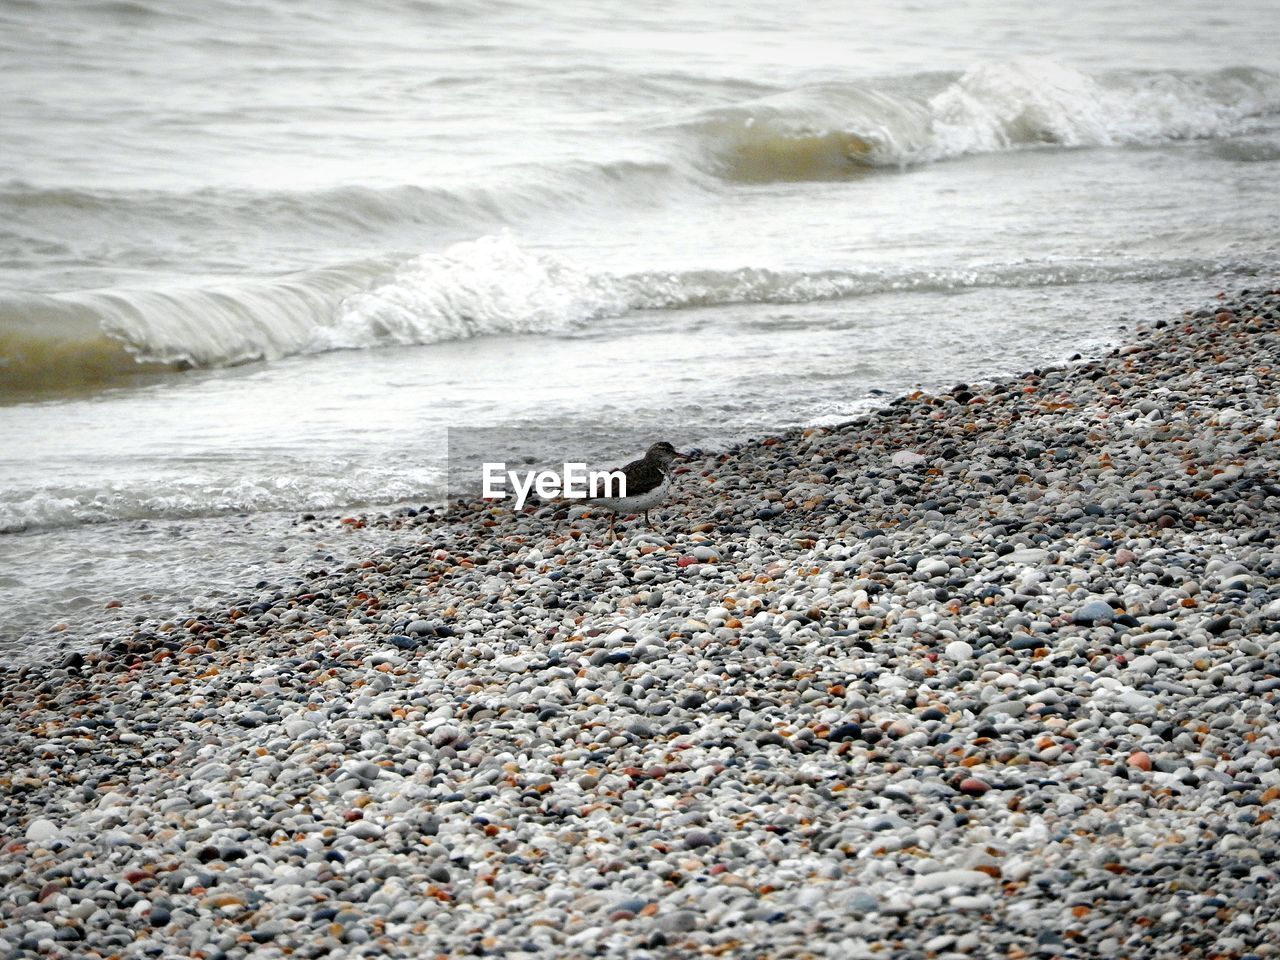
x,y
982,672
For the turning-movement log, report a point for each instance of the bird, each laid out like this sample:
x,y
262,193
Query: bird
x,y
648,483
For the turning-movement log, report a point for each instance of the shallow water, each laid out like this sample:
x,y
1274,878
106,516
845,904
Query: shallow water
x,y
591,224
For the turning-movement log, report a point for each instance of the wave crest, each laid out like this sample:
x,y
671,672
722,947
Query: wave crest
x,y
479,288
836,130
486,287
59,342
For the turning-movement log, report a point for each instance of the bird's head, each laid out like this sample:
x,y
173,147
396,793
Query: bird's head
x,y
664,453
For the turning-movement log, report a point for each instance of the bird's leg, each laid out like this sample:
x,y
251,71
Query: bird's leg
x,y
613,518
647,523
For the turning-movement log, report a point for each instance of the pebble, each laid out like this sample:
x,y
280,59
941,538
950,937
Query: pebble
x,y
952,878
681,921
42,831
1093,612
1139,760
1144,664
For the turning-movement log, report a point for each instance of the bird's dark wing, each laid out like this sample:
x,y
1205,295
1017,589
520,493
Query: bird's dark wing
x,y
642,476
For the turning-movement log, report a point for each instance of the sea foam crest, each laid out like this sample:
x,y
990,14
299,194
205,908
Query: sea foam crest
x,y
1030,101
477,288
485,287
831,130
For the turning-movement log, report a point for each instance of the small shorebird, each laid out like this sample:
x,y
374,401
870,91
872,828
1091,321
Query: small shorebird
x,y
648,483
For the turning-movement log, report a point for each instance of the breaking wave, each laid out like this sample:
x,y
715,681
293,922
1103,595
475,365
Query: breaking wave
x,y
488,287
834,130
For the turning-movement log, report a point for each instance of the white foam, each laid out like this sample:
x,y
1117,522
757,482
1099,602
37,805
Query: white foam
x,y
195,495
483,287
828,130
1029,102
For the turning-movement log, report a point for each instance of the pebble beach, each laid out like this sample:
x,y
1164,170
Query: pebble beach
x,y
986,673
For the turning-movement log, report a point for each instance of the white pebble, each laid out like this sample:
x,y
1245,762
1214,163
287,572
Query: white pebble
x,y
952,878
42,831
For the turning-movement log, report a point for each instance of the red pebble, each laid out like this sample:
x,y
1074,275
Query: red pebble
x,y
686,561
973,786
136,876
352,815
1140,761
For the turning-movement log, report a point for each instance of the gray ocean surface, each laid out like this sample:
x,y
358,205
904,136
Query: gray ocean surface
x,y
256,258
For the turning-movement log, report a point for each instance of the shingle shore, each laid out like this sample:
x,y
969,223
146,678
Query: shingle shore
x,y
991,673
